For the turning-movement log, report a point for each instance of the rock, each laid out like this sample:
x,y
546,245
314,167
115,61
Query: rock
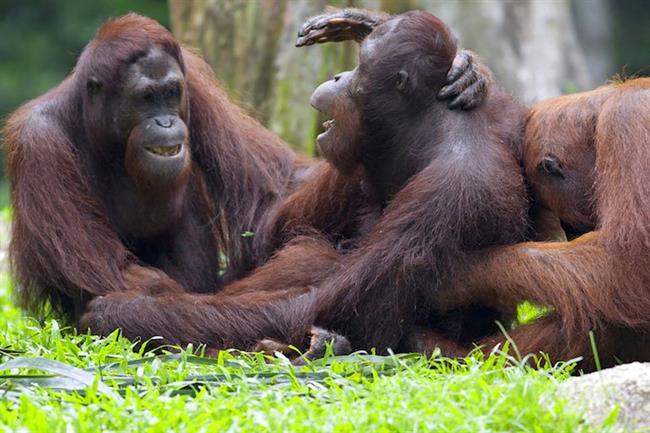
x,y
598,394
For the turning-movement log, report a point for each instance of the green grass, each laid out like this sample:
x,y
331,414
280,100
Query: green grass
x,y
53,380
137,392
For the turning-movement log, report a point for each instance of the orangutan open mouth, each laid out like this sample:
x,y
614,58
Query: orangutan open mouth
x,y
164,150
329,126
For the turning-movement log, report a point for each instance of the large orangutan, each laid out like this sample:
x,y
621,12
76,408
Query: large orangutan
x,y
137,173
409,189
586,156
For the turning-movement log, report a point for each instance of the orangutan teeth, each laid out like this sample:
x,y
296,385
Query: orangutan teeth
x,y
328,124
164,150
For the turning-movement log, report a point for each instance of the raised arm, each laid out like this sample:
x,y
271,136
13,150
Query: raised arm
x,y
337,25
468,82
468,78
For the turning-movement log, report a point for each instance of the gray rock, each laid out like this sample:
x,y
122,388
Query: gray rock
x,y
598,394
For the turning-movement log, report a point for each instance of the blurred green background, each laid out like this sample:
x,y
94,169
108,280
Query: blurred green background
x,y
40,41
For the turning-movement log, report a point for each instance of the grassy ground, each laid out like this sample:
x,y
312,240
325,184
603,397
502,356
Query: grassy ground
x,y
53,380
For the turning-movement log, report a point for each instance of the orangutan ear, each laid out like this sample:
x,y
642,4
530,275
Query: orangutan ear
x,y
403,81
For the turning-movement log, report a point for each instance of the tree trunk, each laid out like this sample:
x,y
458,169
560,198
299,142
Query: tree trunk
x,y
530,45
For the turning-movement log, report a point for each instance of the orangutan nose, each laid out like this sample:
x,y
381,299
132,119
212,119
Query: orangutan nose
x,y
165,122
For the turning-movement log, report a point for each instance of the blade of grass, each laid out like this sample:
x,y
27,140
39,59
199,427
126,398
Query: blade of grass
x,y
61,369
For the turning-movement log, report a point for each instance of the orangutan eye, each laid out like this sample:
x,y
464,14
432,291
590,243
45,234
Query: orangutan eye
x,y
148,96
172,91
551,165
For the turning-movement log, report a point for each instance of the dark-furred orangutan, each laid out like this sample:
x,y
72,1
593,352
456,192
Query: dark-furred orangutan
x,y
586,156
444,182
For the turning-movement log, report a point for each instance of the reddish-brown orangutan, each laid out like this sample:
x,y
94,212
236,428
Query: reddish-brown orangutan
x,y
136,172
585,156
410,188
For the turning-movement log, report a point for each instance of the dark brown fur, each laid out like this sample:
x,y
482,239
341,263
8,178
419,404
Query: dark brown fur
x,y
598,281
